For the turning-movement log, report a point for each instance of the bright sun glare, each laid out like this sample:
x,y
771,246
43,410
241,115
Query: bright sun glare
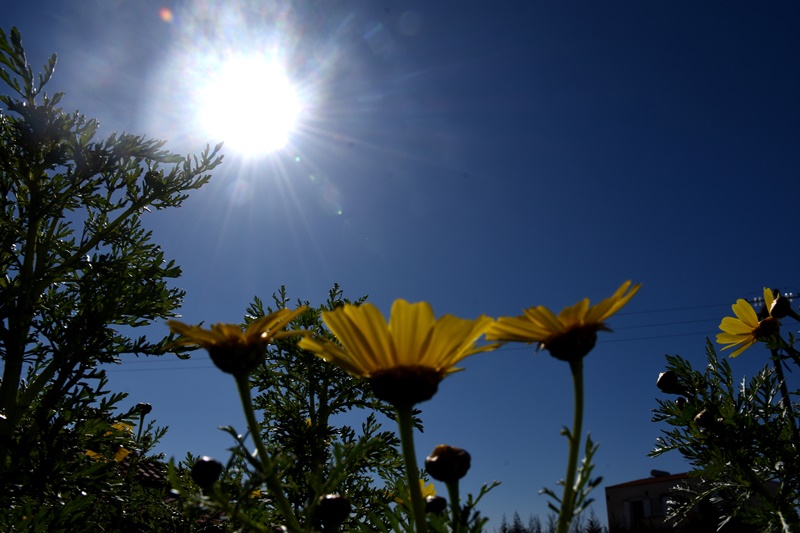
x,y
250,104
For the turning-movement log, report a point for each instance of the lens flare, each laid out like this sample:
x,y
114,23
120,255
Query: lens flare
x,y
165,14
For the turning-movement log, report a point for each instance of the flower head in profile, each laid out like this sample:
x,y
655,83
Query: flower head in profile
x,y
233,350
403,359
570,335
743,331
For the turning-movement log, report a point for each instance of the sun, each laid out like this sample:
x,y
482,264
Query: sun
x,y
249,103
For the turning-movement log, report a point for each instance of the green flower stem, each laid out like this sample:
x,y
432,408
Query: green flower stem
x,y
406,426
455,505
568,500
267,468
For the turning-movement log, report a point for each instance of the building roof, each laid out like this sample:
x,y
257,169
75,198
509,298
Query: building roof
x,y
651,480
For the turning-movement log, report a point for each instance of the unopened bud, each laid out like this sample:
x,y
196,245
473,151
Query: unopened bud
x,y
781,308
680,403
332,510
705,419
447,463
206,471
144,408
668,382
435,504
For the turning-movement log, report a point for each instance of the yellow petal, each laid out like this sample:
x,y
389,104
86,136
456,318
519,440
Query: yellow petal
x,y
574,315
513,329
745,312
258,326
332,353
225,331
743,348
410,327
280,320
728,338
769,298
452,340
430,490
370,322
611,305
350,338
734,326
545,319
192,335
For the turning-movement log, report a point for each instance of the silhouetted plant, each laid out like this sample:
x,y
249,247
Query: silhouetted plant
x,y
78,272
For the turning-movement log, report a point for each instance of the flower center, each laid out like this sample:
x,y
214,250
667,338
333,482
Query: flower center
x,y
574,344
234,356
404,386
766,328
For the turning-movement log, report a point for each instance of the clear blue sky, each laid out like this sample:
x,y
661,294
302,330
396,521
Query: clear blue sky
x,y
483,156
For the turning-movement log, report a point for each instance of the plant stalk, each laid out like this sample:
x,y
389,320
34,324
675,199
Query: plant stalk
x,y
267,468
406,426
455,505
568,499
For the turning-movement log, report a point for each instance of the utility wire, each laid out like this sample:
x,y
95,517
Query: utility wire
x,y
755,301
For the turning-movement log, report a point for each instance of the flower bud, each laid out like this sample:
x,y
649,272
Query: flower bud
x,y
435,504
206,471
680,403
447,463
668,382
705,419
144,408
332,510
781,308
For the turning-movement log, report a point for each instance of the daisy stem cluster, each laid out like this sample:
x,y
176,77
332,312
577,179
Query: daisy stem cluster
x,y
403,360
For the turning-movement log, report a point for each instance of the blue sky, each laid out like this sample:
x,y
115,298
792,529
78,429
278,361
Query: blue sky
x,y
485,158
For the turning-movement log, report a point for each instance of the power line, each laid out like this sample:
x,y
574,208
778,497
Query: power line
x,y
755,301
669,310
160,369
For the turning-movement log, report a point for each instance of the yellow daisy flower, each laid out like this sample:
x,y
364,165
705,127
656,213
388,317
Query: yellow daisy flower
x,y
235,351
744,330
570,335
405,359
